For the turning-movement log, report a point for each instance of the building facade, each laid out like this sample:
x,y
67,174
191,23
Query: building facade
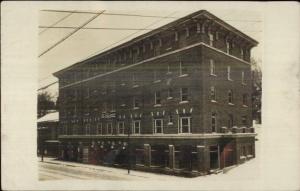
x,y
47,135
175,100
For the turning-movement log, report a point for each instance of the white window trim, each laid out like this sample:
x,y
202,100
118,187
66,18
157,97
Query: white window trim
x,y
111,129
215,117
155,127
118,129
183,101
212,67
211,39
133,127
180,125
215,93
243,78
180,70
99,126
229,73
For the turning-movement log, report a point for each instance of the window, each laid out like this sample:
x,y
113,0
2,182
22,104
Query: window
x,y
157,98
217,35
87,129
182,69
170,93
227,47
212,67
176,36
230,96
211,39
155,76
121,127
134,79
229,73
243,77
187,31
245,99
184,94
109,128
242,53
244,120
169,69
87,92
158,126
136,102
213,96
99,129
185,123
213,122
230,121
75,130
136,127
170,119
198,28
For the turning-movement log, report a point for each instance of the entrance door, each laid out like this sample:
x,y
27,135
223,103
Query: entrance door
x,y
214,157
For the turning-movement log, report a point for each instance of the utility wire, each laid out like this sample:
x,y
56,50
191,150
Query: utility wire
x,y
104,28
115,14
138,15
45,87
126,37
66,37
56,22
101,28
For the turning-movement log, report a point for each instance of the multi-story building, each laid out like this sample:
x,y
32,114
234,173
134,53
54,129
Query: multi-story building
x,y
176,100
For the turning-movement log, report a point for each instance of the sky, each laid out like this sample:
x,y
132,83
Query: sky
x,y
87,42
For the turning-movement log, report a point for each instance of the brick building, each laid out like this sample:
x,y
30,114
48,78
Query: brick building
x,y
176,100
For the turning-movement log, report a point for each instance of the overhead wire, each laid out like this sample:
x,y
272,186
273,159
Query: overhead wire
x,y
71,33
60,20
153,23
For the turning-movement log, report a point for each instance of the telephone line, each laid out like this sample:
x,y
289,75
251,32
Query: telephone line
x,y
66,37
56,23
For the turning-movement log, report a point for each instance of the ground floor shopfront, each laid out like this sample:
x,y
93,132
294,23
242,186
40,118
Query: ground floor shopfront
x,y
189,155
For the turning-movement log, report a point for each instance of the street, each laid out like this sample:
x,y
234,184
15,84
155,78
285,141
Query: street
x,y
52,169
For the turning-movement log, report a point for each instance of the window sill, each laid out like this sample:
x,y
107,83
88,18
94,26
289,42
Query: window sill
x,y
156,81
244,84
213,101
230,79
168,98
123,84
135,86
170,123
169,73
135,108
213,75
230,104
183,102
245,105
157,105
183,75
123,105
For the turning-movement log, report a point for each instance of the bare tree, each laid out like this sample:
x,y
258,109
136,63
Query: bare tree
x,y
45,103
257,89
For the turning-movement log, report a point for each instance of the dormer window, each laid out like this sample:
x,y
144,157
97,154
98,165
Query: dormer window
x,y
176,36
144,48
151,45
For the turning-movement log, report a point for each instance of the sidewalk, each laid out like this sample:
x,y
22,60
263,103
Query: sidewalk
x,y
118,171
